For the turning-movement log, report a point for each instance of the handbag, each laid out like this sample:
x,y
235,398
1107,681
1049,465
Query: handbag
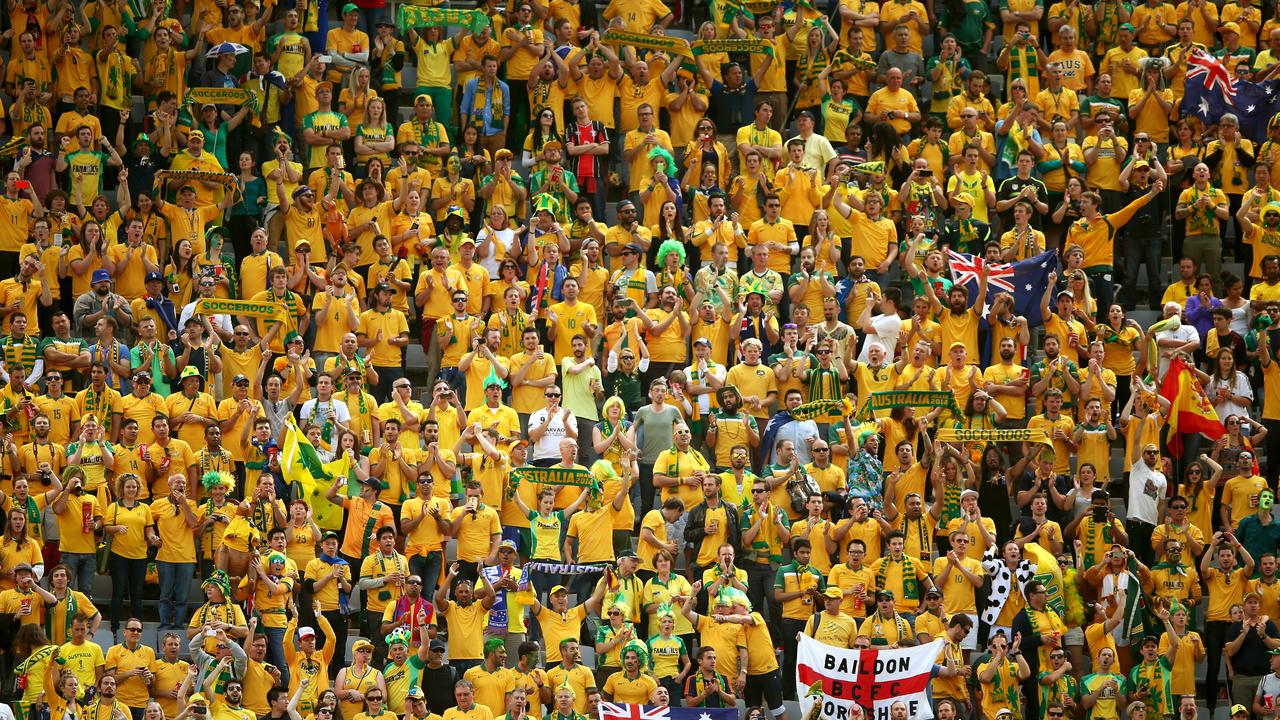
x,y
104,548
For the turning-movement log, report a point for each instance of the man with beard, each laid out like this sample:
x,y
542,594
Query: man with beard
x,y
666,328
106,704
40,457
412,614
37,162
220,322
633,285
908,482
1055,372
228,705
361,406
193,410
1006,382
100,303
959,320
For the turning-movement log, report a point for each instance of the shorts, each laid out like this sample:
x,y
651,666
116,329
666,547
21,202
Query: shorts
x,y
1073,637
767,686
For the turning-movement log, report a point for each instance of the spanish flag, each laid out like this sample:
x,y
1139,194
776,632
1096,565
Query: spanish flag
x,y
1190,411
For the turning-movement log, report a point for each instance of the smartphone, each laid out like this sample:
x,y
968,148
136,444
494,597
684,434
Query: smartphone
x,y
324,59
22,184
57,239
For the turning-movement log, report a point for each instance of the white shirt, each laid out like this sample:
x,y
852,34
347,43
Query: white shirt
x,y
548,446
503,242
1184,334
1146,487
1237,384
314,411
219,322
887,330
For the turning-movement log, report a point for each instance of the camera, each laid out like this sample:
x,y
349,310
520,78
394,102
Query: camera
x,y
1099,514
926,173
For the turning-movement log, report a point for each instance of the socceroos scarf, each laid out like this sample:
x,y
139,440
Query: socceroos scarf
x,y
661,43
910,584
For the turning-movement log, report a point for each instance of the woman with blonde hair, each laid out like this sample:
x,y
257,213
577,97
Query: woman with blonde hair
x,y
374,136
704,149
354,99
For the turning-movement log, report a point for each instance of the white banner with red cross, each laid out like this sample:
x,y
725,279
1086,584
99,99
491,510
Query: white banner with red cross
x,y
874,679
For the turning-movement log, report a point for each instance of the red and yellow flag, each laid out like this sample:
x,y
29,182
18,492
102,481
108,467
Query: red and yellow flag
x,y
1190,410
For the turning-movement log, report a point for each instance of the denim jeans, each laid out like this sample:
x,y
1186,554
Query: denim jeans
x,y
83,566
175,587
427,567
128,575
275,651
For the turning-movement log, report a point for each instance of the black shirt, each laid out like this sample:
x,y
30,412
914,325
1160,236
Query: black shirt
x,y
733,107
1252,658
437,685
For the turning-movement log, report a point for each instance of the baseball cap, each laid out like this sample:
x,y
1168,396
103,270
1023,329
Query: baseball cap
x,y
702,341
101,276
415,693
503,154
23,566
954,345
350,7
1225,28
507,545
306,632
884,595
437,645
154,276
1237,709
834,593
633,248
239,378
559,589
965,198
932,592
361,644
330,535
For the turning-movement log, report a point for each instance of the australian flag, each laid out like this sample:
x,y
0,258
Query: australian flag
x,y
1025,280
1212,91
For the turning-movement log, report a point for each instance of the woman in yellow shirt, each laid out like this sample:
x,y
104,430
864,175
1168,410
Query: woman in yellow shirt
x,y
302,534
354,99
127,526
374,138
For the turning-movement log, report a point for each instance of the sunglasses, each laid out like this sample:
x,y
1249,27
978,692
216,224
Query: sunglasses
x,y
553,395
142,380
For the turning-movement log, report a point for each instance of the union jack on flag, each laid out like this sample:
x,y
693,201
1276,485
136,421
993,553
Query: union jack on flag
x,y
967,267
627,711
1212,91
1202,64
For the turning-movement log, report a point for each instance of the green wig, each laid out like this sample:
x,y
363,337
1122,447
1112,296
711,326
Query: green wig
x,y
670,246
659,152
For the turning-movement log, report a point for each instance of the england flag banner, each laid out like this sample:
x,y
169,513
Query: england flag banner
x,y
875,679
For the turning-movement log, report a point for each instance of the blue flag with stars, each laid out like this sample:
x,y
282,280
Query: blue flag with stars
x,y
1025,280
1212,91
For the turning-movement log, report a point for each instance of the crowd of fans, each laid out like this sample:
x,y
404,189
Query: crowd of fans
x,y
659,281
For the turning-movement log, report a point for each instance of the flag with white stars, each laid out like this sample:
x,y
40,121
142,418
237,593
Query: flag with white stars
x,y
1025,279
1211,92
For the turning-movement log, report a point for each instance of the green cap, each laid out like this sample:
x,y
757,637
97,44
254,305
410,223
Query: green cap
x,y
350,7
1129,27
